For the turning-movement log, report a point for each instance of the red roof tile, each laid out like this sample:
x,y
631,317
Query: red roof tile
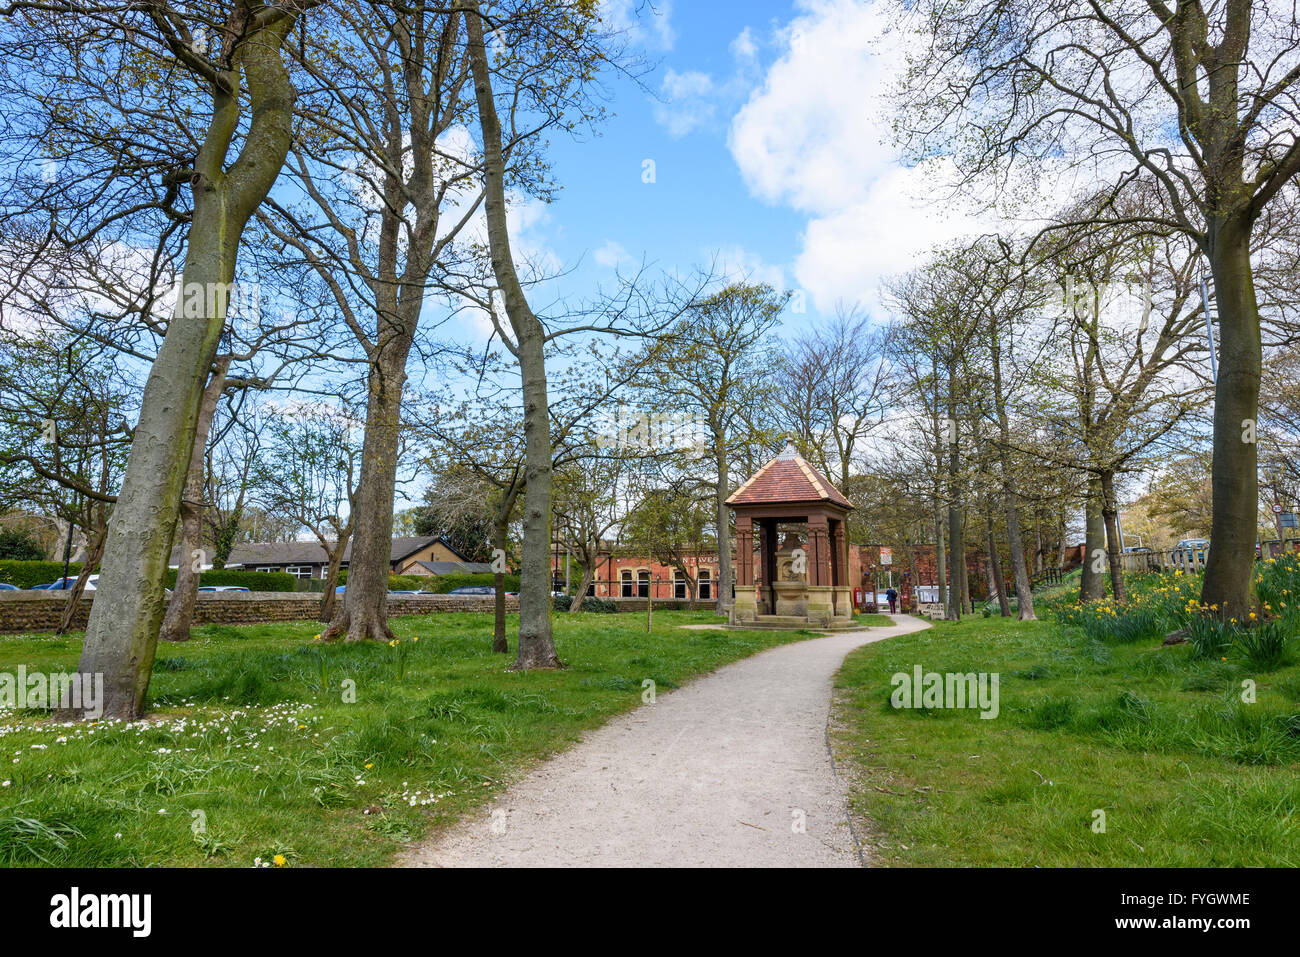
x,y
787,479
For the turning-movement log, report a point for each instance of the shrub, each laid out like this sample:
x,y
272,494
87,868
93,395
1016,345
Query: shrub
x,y
407,582
601,605
253,581
29,574
1207,634
1264,644
441,584
19,546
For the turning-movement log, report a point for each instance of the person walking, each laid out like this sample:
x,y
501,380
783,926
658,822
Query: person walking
x,y
892,595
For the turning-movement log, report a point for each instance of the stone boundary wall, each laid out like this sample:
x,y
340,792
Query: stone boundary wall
x,y
24,611
27,611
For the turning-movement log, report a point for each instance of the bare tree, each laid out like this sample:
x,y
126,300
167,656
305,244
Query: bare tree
x,y
1199,99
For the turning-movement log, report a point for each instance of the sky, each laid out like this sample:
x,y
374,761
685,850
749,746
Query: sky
x,y
761,141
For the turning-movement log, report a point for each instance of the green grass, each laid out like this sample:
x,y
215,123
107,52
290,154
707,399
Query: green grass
x,y
249,750
872,620
1187,773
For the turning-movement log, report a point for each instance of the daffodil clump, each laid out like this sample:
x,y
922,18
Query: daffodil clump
x,y
1277,584
1170,601
1157,603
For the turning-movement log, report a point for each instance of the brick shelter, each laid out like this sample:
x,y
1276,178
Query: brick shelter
x,y
801,522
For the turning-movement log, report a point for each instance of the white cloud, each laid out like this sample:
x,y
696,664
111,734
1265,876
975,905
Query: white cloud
x,y
687,101
610,255
736,264
815,135
647,24
744,48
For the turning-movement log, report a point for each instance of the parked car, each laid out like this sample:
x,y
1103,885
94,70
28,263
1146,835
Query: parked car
x,y
65,584
223,588
473,590
1191,549
5,586
403,591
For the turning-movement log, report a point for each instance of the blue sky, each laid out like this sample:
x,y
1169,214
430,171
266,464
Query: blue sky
x,y
770,142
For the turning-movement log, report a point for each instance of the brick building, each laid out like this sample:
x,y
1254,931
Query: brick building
x,y
636,576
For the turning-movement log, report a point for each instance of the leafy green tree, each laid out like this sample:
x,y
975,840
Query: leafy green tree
x,y
19,546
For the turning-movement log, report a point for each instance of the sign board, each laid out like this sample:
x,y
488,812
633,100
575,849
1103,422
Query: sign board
x,y
1289,520
886,556
1277,509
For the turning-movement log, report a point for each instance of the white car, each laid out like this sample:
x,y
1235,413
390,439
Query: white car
x,y
66,584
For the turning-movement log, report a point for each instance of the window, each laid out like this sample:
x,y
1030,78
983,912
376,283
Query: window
x,y
299,571
679,584
706,585
643,584
266,568
625,583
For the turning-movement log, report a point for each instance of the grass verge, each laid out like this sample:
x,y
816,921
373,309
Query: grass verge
x,y
1186,772
251,754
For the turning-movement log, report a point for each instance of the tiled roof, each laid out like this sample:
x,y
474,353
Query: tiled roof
x,y
456,568
787,479
310,553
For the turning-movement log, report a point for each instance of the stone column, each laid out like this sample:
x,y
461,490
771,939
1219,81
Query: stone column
x,y
843,582
821,603
745,607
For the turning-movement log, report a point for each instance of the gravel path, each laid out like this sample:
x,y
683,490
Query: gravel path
x,y
718,773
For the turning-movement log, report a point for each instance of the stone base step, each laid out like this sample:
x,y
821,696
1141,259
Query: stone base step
x,y
793,623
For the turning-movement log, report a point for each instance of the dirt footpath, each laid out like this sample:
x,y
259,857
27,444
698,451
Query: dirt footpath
x,y
731,770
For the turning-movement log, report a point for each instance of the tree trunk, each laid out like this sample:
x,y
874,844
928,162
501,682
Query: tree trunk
x,y
1024,589
940,554
122,635
966,604
956,539
536,642
1010,499
79,586
995,572
185,593
363,616
725,571
499,643
1229,572
588,573
1061,546
330,599
1110,518
1092,584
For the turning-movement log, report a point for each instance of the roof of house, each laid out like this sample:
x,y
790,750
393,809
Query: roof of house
x,y
785,479
457,568
311,553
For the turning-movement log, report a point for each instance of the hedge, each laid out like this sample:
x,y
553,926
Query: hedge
x,y
30,574
253,581
441,584
590,603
